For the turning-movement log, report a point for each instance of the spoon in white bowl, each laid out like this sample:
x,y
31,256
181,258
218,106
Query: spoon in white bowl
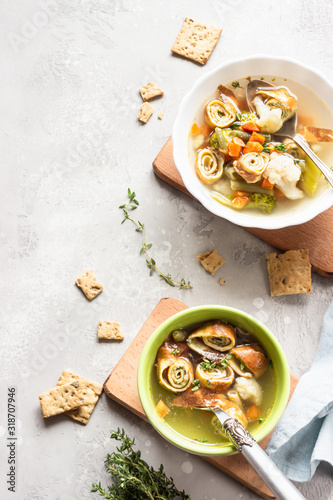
x,y
276,481
289,128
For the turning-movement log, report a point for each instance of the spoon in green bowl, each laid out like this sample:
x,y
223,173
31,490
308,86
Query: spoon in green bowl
x,y
245,444
289,127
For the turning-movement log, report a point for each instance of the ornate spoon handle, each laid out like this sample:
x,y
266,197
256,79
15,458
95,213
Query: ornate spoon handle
x,y
276,481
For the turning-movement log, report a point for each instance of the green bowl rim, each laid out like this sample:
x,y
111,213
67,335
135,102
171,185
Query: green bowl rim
x,y
143,381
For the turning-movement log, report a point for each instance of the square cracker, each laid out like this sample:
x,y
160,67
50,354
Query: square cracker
x,y
145,112
289,273
60,399
89,285
150,91
109,330
82,413
196,41
211,261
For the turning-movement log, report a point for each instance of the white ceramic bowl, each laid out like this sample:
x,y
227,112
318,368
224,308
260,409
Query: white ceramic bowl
x,y
204,87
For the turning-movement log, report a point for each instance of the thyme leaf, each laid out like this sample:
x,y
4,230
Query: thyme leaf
x,y
132,204
133,478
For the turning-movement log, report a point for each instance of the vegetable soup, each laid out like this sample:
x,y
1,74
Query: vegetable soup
x,y
214,364
239,157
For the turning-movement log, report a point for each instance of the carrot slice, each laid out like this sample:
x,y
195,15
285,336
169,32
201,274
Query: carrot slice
x,y
195,129
161,408
255,137
266,184
241,193
240,201
279,193
251,127
252,147
234,149
253,412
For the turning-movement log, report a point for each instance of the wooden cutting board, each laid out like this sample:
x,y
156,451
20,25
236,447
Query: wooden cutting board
x,y
121,386
316,235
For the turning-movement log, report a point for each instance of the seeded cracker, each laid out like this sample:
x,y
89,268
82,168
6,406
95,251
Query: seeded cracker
x,y
82,414
196,41
211,261
145,112
89,285
289,273
60,399
150,91
109,330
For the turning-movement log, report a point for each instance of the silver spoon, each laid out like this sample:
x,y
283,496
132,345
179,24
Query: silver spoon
x,y
276,481
289,128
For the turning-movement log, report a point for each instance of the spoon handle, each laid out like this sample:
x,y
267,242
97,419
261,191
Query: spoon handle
x,y
301,142
276,481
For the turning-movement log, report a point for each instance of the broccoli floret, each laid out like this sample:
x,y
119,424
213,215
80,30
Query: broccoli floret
x,y
213,142
265,202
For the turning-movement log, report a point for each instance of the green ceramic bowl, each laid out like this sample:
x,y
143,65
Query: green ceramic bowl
x,y
193,316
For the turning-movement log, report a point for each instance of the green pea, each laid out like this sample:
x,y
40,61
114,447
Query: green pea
x,y
179,335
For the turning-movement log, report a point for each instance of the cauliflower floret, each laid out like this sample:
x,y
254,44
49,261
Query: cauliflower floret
x,y
282,171
269,119
249,389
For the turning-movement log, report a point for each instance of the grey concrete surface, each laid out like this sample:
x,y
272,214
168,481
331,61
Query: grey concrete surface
x,y
70,147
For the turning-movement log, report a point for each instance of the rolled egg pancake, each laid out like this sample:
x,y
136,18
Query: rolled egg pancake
x,y
251,166
248,359
174,372
214,335
280,98
220,114
218,379
209,166
204,398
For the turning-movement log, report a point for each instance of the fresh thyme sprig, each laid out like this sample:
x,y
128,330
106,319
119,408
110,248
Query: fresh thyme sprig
x,y
133,478
133,204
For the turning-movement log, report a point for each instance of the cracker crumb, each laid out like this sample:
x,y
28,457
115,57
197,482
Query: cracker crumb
x,y
289,273
222,281
196,41
211,261
145,112
160,115
89,285
109,330
150,91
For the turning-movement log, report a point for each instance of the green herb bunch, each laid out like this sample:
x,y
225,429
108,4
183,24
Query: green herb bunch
x,y
133,204
133,478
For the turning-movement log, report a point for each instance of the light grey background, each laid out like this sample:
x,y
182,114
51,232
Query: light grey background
x,y
71,145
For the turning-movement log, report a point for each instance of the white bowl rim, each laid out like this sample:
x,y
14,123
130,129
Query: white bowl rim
x,y
261,222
